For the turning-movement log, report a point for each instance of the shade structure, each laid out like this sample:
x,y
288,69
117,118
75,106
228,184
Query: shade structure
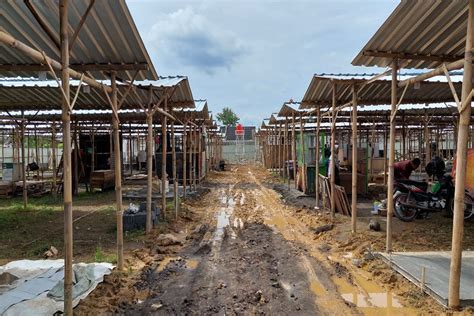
x,y
425,33
319,92
106,38
33,94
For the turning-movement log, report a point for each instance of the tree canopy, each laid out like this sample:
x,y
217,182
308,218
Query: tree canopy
x,y
228,117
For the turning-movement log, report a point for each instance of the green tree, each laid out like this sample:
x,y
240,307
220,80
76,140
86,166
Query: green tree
x,y
228,117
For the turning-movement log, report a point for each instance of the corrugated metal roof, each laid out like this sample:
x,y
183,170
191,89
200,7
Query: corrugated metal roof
x,y
288,109
108,36
319,92
431,29
200,112
16,94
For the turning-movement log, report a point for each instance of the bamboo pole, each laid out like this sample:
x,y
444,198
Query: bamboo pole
x,y
385,146
36,151
93,150
67,179
286,153
293,148
130,149
164,147
461,162
185,145
279,151
23,162
199,157
149,171
53,152
191,160
118,175
333,153
316,165
76,161
194,144
354,160
303,155
391,160
175,180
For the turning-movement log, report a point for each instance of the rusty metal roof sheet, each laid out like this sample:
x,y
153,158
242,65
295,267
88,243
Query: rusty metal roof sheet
x,y
108,36
422,32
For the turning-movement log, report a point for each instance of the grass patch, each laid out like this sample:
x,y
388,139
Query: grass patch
x,y
100,256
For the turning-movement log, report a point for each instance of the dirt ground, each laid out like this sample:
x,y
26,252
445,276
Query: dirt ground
x,y
240,247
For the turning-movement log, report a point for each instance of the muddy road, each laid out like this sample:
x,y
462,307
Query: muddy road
x,y
245,252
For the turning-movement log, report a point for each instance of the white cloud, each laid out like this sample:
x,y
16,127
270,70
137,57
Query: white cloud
x,y
186,38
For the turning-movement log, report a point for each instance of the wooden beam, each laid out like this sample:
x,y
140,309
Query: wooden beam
x,y
51,34
81,23
408,56
433,73
77,67
9,40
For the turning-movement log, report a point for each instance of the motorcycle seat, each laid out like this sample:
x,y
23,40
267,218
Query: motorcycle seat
x,y
419,184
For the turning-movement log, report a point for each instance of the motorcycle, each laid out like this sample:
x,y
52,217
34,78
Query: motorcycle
x,y
412,199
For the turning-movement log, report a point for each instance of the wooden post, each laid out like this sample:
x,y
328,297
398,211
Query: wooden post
x,y
149,171
316,165
36,150
185,145
53,152
333,153
130,149
191,160
194,144
67,176
385,146
461,162
199,157
175,180
303,155
93,149
391,159
354,160
164,147
286,153
118,174
76,161
293,148
279,150
23,160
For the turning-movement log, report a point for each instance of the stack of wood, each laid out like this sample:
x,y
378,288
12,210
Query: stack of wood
x,y
6,189
102,179
342,202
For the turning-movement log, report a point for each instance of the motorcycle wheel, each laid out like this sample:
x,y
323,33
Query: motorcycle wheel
x,y
468,207
405,214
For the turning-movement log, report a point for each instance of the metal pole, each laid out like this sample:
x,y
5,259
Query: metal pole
x,y
461,162
354,160
67,176
391,159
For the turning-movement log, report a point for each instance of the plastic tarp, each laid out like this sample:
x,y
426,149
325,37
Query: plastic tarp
x,y
39,287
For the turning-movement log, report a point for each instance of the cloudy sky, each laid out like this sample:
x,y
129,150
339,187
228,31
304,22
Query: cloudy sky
x,y
255,55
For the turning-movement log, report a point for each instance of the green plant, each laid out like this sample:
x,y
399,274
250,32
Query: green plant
x,y
228,117
99,256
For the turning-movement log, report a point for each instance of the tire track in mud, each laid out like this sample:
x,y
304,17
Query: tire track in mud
x,y
246,258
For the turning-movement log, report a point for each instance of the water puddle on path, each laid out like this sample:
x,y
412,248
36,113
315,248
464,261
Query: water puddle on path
x,y
223,218
370,298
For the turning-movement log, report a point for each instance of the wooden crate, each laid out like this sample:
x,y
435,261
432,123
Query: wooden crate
x,y
102,179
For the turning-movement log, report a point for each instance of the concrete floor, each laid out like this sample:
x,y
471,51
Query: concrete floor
x,y
436,264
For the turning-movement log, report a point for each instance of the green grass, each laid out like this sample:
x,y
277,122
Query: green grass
x,y
100,256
